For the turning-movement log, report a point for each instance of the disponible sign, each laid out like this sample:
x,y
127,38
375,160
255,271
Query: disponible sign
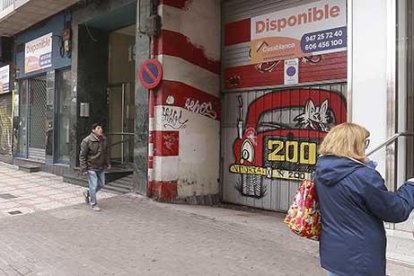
x,y
311,29
38,54
4,79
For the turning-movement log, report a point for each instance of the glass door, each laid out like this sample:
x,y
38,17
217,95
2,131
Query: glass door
x,y
121,123
63,89
21,128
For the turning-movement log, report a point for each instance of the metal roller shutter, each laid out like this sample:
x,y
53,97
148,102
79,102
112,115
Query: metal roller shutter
x,y
270,131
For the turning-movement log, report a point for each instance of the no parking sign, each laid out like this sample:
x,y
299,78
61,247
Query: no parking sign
x,y
150,73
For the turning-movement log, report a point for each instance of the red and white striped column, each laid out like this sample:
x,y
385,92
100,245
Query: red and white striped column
x,y
185,110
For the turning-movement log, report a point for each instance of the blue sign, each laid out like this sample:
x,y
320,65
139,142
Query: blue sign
x,y
324,41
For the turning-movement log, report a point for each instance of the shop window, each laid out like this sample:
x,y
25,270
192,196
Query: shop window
x,y
64,99
21,127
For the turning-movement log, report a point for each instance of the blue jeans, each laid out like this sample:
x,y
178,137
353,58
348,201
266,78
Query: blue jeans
x,y
331,274
96,181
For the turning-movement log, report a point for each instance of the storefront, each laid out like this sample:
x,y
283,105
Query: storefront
x,y
284,86
43,60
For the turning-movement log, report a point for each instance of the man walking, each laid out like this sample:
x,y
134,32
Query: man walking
x,y
94,160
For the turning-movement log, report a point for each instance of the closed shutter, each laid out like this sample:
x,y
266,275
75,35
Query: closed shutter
x,y
270,131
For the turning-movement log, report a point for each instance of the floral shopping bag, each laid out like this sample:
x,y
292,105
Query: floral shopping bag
x,y
303,216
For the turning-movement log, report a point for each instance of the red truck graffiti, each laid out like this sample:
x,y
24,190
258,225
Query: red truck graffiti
x,y
280,136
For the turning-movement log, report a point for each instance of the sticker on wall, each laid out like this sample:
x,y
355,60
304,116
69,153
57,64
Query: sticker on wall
x,y
291,71
38,54
279,137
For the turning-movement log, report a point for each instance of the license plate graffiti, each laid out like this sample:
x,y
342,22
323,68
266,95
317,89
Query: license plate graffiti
x,y
279,137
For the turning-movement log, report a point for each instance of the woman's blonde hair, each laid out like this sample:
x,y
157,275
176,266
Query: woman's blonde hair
x,y
345,140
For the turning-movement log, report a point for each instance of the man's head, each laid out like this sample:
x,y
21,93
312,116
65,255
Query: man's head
x,y
97,129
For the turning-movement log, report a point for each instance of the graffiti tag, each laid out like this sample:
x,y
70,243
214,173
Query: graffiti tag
x,y
203,108
173,118
170,142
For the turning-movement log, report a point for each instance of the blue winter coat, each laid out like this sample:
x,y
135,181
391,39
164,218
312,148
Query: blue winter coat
x,y
354,203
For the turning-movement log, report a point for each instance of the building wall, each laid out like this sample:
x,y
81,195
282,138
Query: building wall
x,y
369,71
54,25
185,109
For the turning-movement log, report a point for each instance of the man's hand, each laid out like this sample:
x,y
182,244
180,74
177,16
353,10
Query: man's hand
x,y
85,173
109,167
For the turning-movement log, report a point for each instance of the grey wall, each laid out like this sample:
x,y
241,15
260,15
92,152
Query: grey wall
x,y
141,106
90,74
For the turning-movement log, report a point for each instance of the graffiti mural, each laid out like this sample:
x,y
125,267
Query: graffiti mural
x,y
5,127
279,136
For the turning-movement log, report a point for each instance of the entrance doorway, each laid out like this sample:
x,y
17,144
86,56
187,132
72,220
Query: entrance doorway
x,y
121,122
32,126
113,104
121,94
37,119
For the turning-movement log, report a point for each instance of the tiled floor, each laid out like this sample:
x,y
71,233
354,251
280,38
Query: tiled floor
x,y
23,193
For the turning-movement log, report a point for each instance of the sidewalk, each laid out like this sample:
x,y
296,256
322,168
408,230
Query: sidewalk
x,y
137,236
24,193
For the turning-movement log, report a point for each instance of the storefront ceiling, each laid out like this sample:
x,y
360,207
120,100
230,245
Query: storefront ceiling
x,y
30,13
116,19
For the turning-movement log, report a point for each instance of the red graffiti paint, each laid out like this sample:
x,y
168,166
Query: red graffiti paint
x,y
279,136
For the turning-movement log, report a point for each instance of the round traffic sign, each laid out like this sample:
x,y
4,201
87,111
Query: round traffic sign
x,y
150,73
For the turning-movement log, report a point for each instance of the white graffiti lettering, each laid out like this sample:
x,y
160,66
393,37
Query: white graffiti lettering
x,y
204,108
173,118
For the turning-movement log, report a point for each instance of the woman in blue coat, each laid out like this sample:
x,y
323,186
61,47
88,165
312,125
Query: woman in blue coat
x,y
354,204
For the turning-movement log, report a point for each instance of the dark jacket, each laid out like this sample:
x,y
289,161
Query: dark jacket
x,y
94,153
354,203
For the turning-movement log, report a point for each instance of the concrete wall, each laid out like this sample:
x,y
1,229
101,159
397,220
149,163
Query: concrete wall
x,y
185,112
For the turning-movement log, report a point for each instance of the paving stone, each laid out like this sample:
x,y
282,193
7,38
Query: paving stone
x,y
133,235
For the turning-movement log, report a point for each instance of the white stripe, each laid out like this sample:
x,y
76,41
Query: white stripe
x,y
200,22
150,175
177,69
183,120
165,168
150,149
151,123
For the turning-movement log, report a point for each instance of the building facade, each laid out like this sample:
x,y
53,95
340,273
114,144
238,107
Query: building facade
x,y
249,89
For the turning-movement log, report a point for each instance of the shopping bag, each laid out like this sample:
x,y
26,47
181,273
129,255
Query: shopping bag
x,y
303,216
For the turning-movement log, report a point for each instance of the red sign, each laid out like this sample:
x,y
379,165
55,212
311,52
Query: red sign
x,y
150,73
